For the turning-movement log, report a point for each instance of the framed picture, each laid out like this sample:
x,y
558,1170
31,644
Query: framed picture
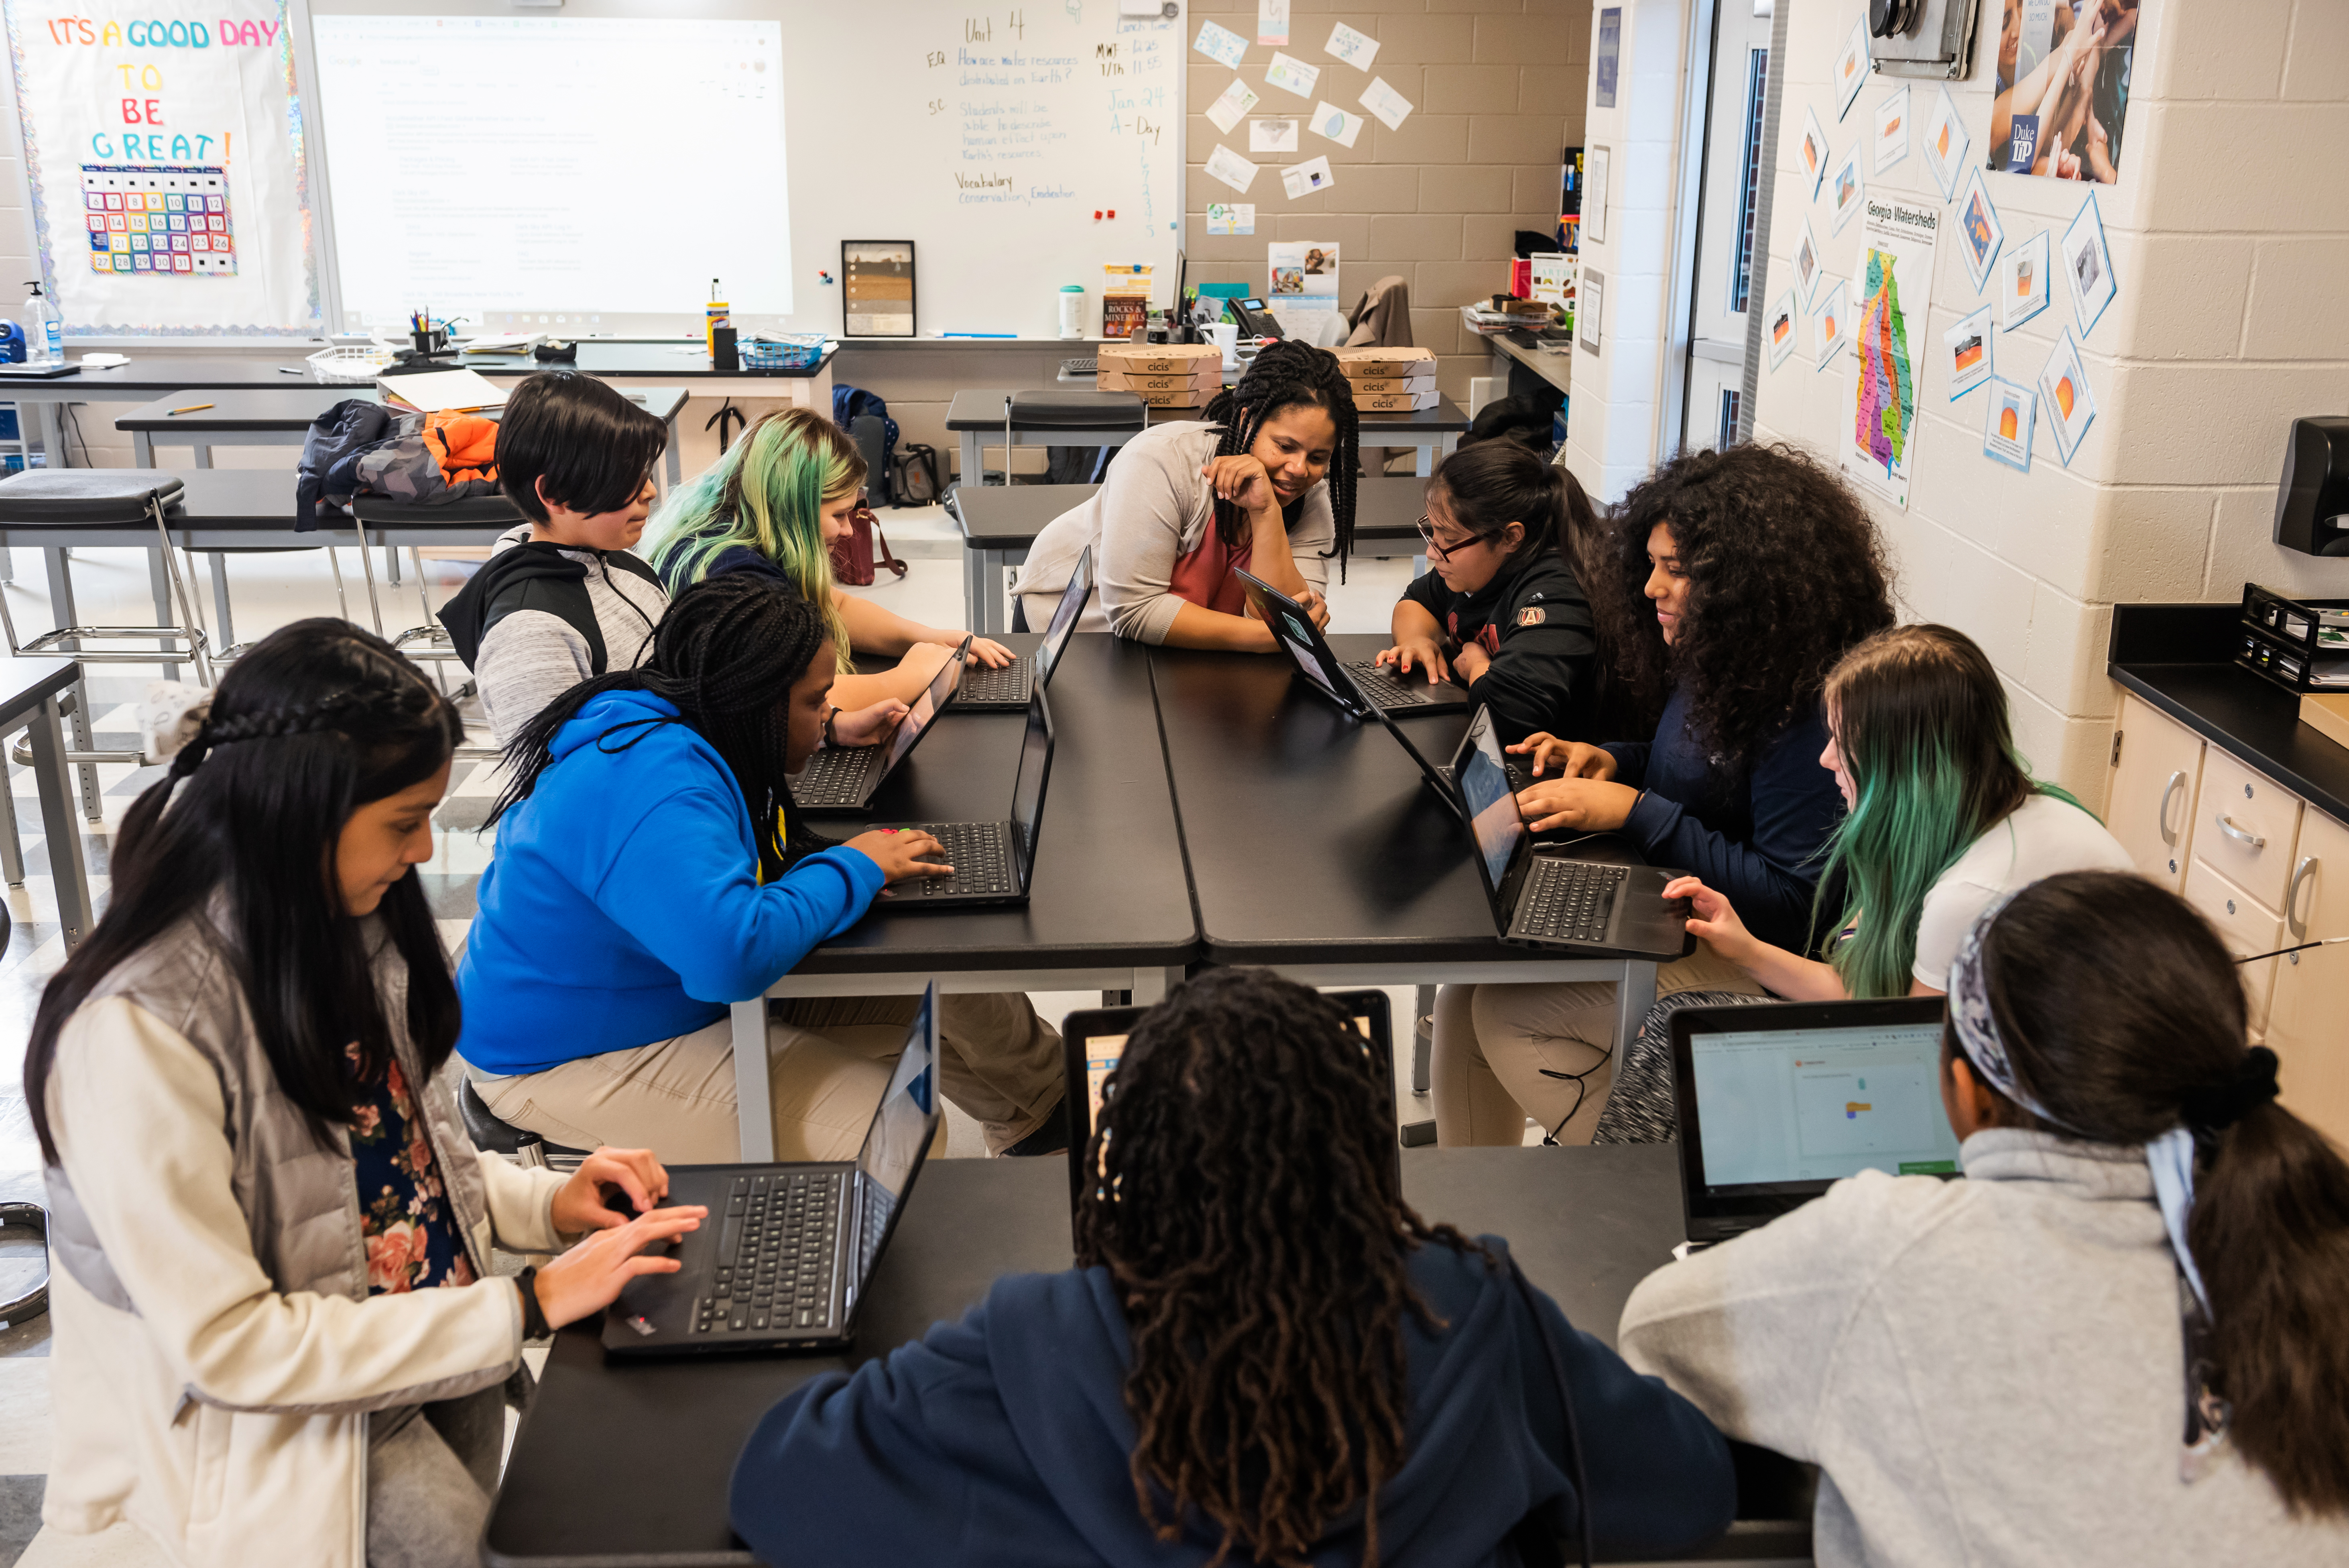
x,y
2088,267
1590,296
877,288
1594,194
2022,283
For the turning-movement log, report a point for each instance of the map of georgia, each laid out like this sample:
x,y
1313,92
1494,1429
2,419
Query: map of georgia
x,y
1888,374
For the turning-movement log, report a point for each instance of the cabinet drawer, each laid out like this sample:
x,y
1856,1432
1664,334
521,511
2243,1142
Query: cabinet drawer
x,y
2311,989
2246,825
2150,796
2244,923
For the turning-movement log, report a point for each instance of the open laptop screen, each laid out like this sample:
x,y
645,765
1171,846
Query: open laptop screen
x,y
1064,615
1493,814
1776,1106
1289,622
900,1133
1028,788
926,708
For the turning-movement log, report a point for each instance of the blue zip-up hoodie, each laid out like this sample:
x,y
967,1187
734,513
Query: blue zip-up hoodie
x,y
1004,1439
622,904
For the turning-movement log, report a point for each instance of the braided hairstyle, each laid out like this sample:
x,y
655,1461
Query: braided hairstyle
x,y
727,652
317,720
1252,1218
1291,375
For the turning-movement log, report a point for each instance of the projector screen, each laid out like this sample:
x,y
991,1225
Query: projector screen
x,y
523,171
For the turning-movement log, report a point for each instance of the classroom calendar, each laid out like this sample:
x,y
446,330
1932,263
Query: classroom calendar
x,y
158,218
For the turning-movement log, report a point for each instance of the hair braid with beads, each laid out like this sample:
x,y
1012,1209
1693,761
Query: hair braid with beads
x,y
1251,1216
727,652
1288,375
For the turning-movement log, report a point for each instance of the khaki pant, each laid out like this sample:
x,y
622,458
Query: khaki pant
x,y
828,1062
1503,1053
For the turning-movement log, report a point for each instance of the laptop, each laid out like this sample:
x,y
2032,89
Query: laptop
x,y
840,779
1776,1103
1375,687
1006,690
784,1259
1440,773
993,861
1093,1042
1555,901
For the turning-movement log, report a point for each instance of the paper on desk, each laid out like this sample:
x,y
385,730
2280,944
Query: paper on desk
x,y
1226,110
433,391
1229,167
1291,74
1220,44
1357,49
1272,134
1390,106
1335,123
1306,178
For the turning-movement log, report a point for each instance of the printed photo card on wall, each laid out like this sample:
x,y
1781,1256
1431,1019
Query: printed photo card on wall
x,y
1229,167
1291,74
1946,143
1273,135
1891,131
1272,22
1356,49
1850,73
1329,120
1830,325
1595,162
2064,393
1307,178
2023,288
1781,329
2006,423
1391,107
1227,110
2077,77
1812,151
1980,233
1591,298
1848,191
2088,267
1968,345
1808,263
1220,44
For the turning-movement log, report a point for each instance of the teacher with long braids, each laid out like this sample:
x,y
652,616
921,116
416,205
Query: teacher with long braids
x,y
1266,481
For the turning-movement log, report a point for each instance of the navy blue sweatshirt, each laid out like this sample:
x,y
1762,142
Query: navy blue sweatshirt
x,y
1755,839
1004,1439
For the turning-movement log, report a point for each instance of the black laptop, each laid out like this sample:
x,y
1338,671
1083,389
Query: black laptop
x,y
840,779
1092,1041
1439,774
1774,1104
1555,900
784,1256
1006,690
993,861
1375,687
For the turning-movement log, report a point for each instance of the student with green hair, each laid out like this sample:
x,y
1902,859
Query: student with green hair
x,y
772,505
1944,821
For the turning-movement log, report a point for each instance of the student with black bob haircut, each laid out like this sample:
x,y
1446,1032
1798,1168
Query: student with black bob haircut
x,y
2123,1338
1499,607
561,598
279,1337
1263,1356
1265,481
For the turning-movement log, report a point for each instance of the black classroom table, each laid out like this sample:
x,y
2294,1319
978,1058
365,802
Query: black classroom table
x,y
627,1464
1109,909
1315,847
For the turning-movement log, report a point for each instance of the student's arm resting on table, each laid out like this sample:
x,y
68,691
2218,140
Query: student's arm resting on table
x,y
685,884
1419,640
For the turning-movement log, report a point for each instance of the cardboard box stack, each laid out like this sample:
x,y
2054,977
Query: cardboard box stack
x,y
1164,375
1389,380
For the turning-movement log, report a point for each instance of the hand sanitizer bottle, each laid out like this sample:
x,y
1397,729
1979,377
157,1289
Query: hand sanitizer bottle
x,y
43,330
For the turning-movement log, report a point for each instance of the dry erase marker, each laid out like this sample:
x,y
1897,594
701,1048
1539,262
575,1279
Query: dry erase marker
x,y
290,370
190,408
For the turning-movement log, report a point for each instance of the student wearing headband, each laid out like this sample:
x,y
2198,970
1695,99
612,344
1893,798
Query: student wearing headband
x,y
2123,1338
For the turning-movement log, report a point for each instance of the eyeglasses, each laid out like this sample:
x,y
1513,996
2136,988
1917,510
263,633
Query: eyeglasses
x,y
1437,550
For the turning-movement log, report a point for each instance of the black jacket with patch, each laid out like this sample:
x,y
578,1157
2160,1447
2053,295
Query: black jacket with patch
x,y
1534,620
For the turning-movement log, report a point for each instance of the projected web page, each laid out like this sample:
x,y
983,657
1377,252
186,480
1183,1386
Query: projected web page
x,y
1787,1105
507,169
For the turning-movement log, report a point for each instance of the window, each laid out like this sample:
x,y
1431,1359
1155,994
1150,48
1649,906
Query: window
x,y
1726,437
1757,79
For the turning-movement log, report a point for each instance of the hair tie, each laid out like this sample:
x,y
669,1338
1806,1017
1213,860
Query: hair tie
x,y
2216,1110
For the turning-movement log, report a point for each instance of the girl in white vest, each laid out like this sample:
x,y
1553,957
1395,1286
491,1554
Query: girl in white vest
x,y
278,1336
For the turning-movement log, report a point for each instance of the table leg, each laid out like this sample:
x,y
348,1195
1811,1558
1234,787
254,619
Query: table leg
x,y
218,563
53,439
675,462
1151,985
158,581
1423,1005
12,843
61,607
142,449
1634,995
1425,464
972,452
993,612
974,587
204,457
752,1103
68,870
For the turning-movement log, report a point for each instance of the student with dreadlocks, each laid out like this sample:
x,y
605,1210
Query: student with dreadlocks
x,y
650,870
1264,1356
1266,481
774,505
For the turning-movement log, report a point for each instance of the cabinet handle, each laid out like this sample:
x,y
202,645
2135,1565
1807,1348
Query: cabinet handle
x,y
2292,919
2240,835
2161,820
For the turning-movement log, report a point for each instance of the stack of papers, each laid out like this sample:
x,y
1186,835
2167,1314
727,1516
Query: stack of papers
x,y
505,342
433,391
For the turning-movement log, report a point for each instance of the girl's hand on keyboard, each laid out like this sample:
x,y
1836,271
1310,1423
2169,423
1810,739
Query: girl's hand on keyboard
x,y
588,1278
988,654
1418,653
868,726
898,852
1583,804
1566,759
579,1202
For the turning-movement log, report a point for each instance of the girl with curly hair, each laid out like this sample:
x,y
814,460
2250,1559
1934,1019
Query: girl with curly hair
x,y
1266,481
1263,1356
1731,582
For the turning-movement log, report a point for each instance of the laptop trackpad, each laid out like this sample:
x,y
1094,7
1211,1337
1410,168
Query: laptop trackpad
x,y
1647,921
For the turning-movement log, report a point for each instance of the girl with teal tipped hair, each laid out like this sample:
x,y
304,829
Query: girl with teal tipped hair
x,y
1944,820
772,506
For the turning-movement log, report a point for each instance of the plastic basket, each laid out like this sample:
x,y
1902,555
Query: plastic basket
x,y
355,363
795,351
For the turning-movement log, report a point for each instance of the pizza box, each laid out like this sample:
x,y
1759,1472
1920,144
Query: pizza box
x,y
1196,398
1377,386
1160,358
1208,383
1395,402
2328,715
1386,361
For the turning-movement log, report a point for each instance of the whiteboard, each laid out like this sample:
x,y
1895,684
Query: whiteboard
x,y
989,137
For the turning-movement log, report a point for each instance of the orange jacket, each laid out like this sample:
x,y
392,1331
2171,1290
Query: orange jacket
x,y
465,445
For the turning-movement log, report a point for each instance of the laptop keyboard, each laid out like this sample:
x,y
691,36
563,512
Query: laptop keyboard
x,y
775,1255
1386,688
1008,685
1569,900
980,853
834,776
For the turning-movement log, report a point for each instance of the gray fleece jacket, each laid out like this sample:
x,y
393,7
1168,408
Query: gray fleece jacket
x,y
530,657
1988,1371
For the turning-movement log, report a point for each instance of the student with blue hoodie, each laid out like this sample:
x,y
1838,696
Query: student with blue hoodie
x,y
1264,1356
650,871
